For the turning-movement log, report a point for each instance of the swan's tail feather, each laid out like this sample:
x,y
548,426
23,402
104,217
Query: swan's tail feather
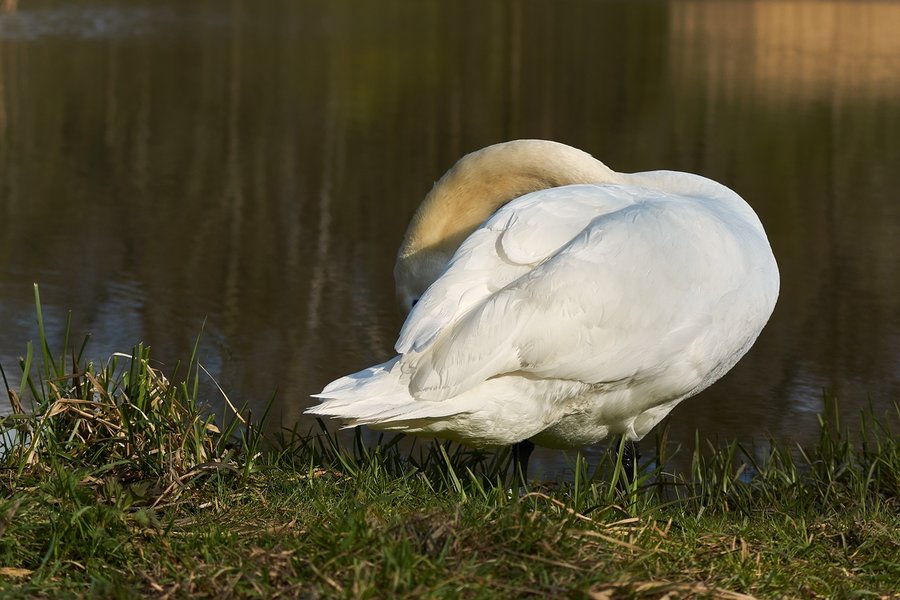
x,y
376,397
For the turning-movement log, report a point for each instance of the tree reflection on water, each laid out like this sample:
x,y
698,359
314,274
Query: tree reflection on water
x,y
169,162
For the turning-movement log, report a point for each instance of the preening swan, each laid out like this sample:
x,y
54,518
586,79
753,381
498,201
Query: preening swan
x,y
557,301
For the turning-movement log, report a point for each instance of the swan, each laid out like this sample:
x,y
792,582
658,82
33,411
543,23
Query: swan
x,y
553,301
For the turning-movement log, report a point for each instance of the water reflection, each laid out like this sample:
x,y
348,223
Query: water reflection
x,y
789,51
256,164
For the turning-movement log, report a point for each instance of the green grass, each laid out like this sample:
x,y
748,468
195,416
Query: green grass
x,y
118,481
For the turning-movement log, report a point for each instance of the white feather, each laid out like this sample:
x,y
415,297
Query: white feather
x,y
575,312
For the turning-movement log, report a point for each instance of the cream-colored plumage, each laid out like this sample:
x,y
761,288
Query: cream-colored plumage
x,y
564,301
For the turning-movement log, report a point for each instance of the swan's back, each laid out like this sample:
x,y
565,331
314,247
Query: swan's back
x,y
574,312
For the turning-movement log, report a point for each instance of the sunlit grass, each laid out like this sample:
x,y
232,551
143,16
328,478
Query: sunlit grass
x,y
117,480
122,418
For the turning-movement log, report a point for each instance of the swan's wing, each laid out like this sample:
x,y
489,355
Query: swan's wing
x,y
629,293
510,244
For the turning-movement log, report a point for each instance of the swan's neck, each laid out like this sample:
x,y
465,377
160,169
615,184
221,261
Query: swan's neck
x,y
471,191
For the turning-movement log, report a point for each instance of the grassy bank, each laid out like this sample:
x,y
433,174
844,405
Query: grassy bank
x,y
116,482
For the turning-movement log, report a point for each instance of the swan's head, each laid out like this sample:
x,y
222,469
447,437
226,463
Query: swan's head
x,y
414,273
471,191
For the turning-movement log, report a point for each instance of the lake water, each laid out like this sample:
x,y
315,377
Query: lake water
x,y
253,165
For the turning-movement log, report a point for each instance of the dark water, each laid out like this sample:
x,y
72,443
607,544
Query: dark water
x,y
254,164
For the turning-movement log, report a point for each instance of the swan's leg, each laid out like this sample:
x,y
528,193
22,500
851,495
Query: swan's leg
x,y
521,452
630,457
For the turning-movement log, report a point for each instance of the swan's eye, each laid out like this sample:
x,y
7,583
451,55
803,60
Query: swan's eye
x,y
413,303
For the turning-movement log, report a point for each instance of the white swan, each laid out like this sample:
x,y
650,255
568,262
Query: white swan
x,y
590,303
